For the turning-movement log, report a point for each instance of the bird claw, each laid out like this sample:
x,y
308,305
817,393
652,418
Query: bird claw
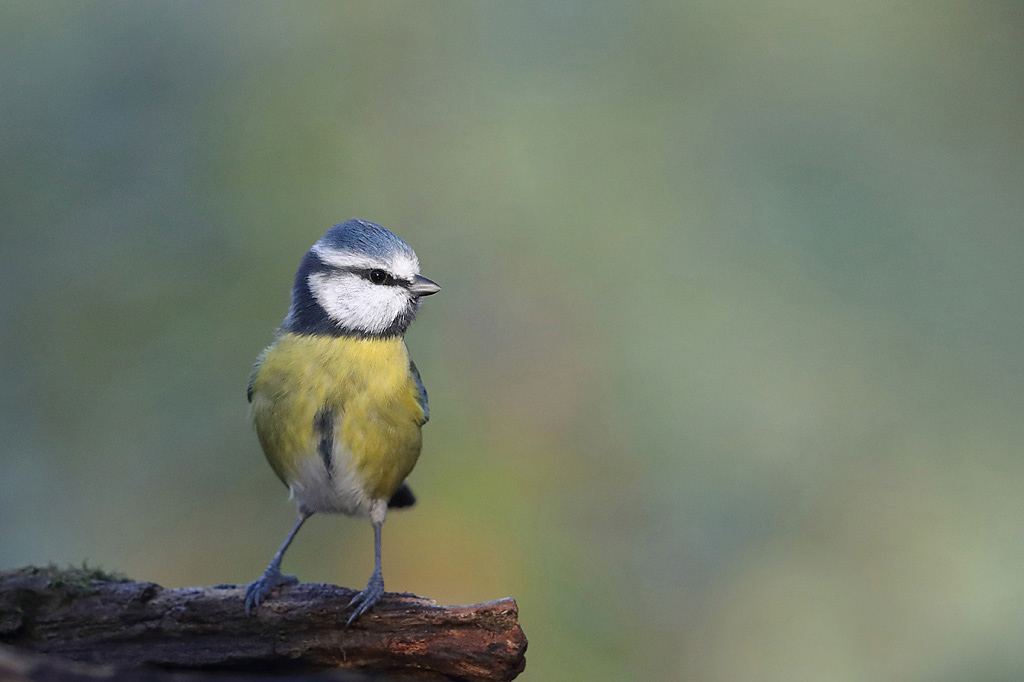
x,y
262,586
364,601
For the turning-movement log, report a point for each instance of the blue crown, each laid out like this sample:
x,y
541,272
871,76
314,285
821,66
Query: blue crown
x,y
362,236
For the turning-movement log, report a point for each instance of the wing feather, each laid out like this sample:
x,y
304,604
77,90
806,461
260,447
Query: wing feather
x,y
421,398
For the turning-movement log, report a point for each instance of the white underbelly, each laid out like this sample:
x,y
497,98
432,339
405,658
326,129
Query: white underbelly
x,y
334,491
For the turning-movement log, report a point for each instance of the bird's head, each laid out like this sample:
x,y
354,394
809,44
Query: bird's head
x,y
359,279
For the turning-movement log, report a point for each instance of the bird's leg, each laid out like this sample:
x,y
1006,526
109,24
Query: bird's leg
x,y
365,600
272,577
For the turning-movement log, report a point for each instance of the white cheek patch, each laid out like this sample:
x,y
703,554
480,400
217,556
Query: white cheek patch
x,y
356,303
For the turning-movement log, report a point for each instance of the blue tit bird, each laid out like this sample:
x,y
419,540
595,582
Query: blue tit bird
x,y
336,400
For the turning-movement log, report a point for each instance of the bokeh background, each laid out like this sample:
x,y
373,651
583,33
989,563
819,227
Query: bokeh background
x,y
727,374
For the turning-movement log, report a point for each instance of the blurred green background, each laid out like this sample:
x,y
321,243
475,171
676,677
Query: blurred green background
x,y
727,374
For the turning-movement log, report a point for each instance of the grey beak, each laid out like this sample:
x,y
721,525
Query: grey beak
x,y
421,286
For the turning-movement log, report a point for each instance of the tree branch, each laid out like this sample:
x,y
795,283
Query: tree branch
x,y
298,630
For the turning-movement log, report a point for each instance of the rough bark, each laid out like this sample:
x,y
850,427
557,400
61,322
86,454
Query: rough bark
x,y
298,630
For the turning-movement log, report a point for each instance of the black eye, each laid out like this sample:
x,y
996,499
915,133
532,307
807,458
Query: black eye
x,y
379,276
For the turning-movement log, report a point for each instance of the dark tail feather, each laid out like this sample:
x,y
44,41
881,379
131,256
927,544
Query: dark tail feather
x,y
402,498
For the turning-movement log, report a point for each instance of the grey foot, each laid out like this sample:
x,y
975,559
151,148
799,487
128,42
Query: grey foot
x,y
261,587
365,600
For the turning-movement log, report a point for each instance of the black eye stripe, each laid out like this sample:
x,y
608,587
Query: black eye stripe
x,y
367,274
382,277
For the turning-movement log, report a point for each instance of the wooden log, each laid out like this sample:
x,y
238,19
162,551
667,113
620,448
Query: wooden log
x,y
20,666
95,618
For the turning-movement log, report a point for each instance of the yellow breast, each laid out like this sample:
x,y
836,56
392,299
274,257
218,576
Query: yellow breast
x,y
365,383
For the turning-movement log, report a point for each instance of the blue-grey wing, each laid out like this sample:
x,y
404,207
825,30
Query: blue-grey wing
x,y
252,375
422,397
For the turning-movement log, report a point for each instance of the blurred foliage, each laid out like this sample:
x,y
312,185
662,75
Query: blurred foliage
x,y
726,377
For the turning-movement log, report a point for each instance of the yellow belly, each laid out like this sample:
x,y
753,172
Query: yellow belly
x,y
367,385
